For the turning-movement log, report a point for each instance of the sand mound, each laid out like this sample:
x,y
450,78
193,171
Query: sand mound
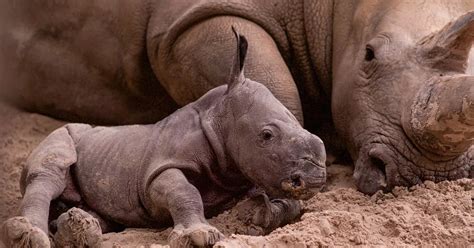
x,y
429,214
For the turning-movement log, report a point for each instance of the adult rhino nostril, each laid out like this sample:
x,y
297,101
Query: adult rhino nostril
x,y
370,172
379,164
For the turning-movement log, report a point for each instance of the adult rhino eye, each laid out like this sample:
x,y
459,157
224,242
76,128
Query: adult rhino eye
x,y
267,135
369,53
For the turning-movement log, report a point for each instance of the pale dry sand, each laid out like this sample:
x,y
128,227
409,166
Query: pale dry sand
x,y
425,215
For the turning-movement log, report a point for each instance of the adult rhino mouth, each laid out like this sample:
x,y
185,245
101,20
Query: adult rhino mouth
x,y
381,166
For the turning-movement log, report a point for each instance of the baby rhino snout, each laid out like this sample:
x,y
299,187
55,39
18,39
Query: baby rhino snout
x,y
309,171
293,184
306,181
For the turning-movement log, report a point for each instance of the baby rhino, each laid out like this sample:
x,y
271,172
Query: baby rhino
x,y
178,171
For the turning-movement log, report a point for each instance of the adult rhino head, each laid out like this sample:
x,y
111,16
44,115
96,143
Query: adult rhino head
x,y
402,96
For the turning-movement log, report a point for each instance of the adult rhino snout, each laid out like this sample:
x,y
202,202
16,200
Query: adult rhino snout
x,y
370,171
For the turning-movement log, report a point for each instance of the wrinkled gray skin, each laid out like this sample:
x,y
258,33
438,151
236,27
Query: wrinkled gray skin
x,y
138,60
403,94
190,165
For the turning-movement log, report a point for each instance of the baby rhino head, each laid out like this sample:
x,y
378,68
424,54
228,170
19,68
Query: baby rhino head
x,y
265,140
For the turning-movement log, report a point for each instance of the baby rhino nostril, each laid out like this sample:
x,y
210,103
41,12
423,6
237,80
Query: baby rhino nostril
x,y
295,185
296,181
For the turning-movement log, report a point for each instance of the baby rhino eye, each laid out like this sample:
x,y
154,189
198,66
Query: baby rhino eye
x,y
267,134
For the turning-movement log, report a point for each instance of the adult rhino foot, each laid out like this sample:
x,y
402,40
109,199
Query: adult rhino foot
x,y
19,232
201,235
77,228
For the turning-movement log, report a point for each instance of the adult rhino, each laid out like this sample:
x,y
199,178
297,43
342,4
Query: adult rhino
x,y
372,65
402,94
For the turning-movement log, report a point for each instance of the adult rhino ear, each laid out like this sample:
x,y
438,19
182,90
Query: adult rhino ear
x,y
236,76
448,49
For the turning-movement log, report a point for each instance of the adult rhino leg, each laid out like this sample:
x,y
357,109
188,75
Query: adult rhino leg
x,y
200,57
43,179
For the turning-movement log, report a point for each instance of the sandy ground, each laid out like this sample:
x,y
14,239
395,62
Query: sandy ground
x,y
425,215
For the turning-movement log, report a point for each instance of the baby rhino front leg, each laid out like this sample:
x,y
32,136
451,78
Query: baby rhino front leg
x,y
268,214
172,191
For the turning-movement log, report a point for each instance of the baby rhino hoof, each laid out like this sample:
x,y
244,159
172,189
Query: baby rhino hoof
x,y
76,228
201,235
18,232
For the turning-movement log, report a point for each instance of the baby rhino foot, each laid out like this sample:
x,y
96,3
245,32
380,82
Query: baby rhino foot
x,y
201,235
268,214
76,228
18,232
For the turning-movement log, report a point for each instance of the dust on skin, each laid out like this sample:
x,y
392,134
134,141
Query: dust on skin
x,y
428,214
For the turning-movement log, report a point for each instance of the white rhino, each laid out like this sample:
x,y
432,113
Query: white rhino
x,y
389,77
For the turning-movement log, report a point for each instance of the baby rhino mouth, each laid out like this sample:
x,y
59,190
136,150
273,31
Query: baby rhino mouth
x,y
306,181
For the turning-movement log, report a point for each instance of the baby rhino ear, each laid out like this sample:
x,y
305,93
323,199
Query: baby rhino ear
x,y
236,76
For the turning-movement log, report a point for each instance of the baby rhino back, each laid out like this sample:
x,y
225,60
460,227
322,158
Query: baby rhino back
x,y
107,170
